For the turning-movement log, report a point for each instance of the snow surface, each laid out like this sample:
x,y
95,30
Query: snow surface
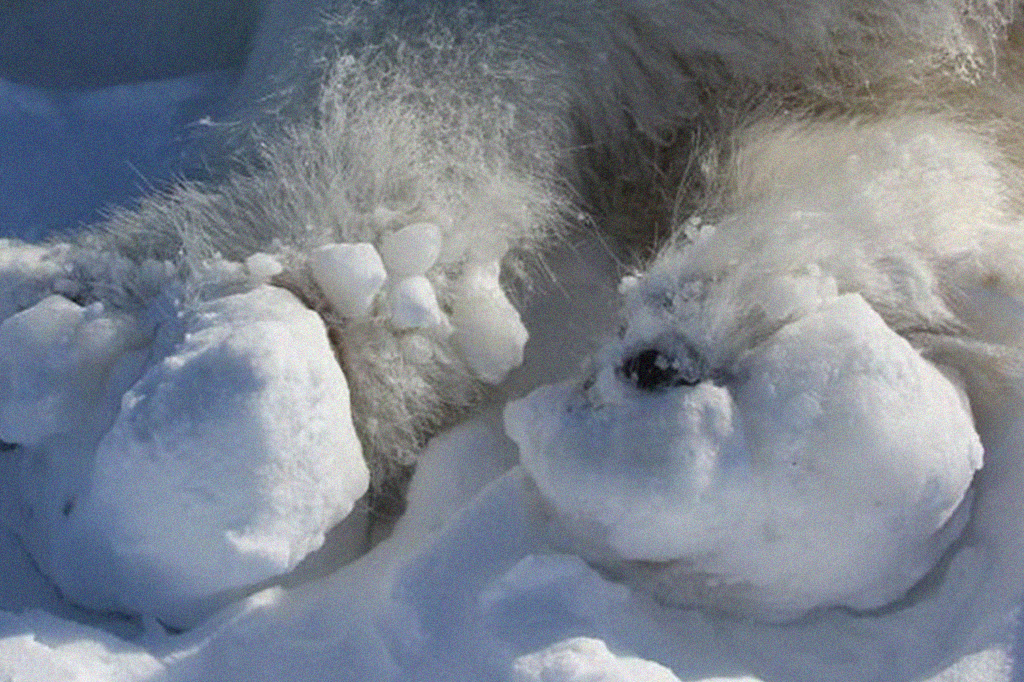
x,y
583,659
66,155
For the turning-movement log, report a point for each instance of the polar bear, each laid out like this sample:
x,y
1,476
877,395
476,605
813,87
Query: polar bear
x,y
499,125
389,168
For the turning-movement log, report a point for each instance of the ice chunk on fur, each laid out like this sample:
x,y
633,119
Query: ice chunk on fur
x,y
228,462
263,266
411,250
825,468
414,304
55,360
488,330
585,659
350,275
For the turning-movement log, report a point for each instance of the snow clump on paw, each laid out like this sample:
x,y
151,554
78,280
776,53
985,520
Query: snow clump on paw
x,y
411,250
829,464
229,460
350,275
488,330
261,267
413,304
418,325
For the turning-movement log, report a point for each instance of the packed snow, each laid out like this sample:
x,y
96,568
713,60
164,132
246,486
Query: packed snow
x,y
583,658
174,489
744,479
183,493
254,468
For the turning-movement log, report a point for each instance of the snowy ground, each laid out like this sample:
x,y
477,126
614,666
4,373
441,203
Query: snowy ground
x,y
64,155
477,581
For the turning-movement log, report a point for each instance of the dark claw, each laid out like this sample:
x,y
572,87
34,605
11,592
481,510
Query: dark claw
x,y
652,370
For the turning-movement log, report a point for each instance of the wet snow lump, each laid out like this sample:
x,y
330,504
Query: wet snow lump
x,y
827,465
221,466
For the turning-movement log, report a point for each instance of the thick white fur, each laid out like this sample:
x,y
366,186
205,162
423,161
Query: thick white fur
x,y
636,86
494,119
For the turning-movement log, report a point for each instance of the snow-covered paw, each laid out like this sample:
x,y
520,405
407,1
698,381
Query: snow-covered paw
x,y
225,464
194,449
824,462
399,283
420,324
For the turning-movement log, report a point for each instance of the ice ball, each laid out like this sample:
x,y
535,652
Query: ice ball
x,y
350,275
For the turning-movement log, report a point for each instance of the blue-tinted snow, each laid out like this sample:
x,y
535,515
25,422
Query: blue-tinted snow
x,y
67,154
